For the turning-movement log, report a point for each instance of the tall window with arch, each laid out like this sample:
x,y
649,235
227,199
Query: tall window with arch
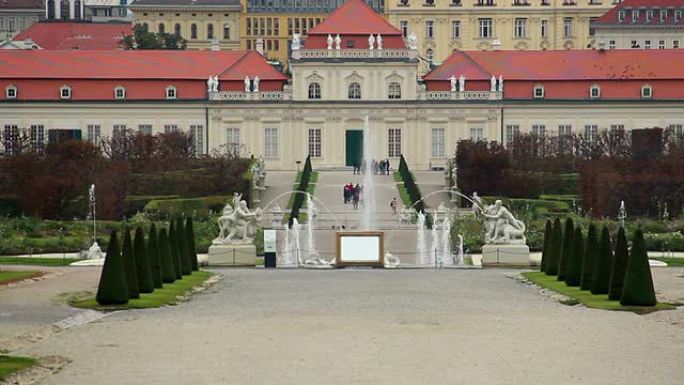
x,y
64,9
177,29
394,91
162,29
226,32
430,55
210,31
314,91
193,31
354,91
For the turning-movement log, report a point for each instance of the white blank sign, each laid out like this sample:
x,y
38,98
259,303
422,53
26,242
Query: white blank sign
x,y
359,248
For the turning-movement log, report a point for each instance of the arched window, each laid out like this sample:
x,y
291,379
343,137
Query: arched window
x,y
594,91
77,10
394,91
64,9
646,91
354,91
210,31
226,31
119,92
177,29
314,91
146,27
11,91
51,9
171,92
430,55
65,92
193,31
538,91
161,28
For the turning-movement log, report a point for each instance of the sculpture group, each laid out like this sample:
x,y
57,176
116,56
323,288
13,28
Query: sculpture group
x,y
501,227
237,224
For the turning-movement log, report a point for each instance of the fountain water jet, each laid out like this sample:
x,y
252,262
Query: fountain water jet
x,y
446,258
368,188
422,255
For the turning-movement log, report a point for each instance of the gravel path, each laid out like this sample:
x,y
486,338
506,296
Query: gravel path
x,y
371,327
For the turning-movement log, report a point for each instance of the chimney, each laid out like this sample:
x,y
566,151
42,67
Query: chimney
x,y
215,45
260,46
496,45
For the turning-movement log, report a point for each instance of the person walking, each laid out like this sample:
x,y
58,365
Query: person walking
x,y
356,197
393,206
387,165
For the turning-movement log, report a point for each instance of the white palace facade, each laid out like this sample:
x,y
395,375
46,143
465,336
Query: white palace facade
x,y
339,76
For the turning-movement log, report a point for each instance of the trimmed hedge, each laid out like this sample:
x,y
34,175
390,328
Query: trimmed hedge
x,y
142,260
113,287
618,267
413,191
567,249
548,230
303,186
638,288
574,273
130,266
167,262
553,255
166,208
154,250
591,256
600,280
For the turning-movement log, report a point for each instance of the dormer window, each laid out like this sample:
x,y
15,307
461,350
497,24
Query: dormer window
x,y
621,16
314,91
119,93
354,91
635,15
677,15
538,91
649,15
171,92
65,92
663,15
11,91
595,92
646,91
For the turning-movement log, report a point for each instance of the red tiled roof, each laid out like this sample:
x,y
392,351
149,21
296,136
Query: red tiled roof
x,y
22,4
81,36
611,17
354,17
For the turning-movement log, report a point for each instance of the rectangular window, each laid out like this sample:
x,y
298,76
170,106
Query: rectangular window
x,y
564,130
675,133
544,29
94,133
661,44
567,27
394,142
590,132
118,130
289,27
663,15
10,137
512,130
617,128
37,138
621,16
269,26
145,129
520,29
647,44
271,142
455,29
315,143
429,29
635,15
262,26
249,26
485,28
276,26
649,15
233,141
197,131
476,134
168,128
611,44
592,30
403,26
675,44
539,130
437,142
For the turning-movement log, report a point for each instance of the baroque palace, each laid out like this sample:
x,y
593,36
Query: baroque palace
x,y
353,67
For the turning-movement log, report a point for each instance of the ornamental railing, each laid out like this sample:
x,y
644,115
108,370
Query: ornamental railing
x,y
459,95
354,53
250,96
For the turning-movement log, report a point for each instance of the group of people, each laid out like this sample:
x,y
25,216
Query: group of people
x,y
378,167
352,194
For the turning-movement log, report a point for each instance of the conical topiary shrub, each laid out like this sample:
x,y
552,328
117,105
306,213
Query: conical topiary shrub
x,y
553,254
186,266
566,251
601,277
130,265
173,246
574,275
547,240
167,264
142,259
591,255
113,288
618,266
638,287
155,259
190,234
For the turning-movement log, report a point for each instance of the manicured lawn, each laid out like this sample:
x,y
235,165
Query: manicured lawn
x,y
403,194
15,276
312,179
36,261
675,262
168,295
596,301
9,365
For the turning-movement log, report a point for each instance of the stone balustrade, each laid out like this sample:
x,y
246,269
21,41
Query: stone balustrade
x,y
458,95
250,96
385,53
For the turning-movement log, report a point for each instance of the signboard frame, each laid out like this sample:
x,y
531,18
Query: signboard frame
x,y
342,261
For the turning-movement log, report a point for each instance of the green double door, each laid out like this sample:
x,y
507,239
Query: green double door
x,y
353,147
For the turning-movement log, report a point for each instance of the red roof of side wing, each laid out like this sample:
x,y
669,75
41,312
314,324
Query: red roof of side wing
x,y
354,17
252,64
81,36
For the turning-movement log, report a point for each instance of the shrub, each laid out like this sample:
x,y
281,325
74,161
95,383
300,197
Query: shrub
x,y
113,288
175,254
155,257
304,187
130,265
567,250
600,280
618,266
553,257
574,274
181,239
167,208
142,259
547,240
190,236
591,255
167,262
638,287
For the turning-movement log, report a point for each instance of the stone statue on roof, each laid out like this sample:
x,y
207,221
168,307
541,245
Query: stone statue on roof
x,y
338,41
452,81
215,86
500,83
247,84
461,83
371,41
296,43
330,41
379,40
210,84
492,83
256,83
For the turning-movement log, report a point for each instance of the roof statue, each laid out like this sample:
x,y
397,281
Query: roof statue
x,y
256,83
500,83
247,84
461,83
379,40
371,41
338,41
330,41
452,80
492,83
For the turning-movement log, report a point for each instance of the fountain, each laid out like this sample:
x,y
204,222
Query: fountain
x,y
310,214
94,252
294,233
445,257
368,189
422,255
286,257
435,252
460,258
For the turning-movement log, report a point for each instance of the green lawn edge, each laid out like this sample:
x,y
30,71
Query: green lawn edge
x,y
594,301
37,261
403,194
671,262
10,365
7,277
170,294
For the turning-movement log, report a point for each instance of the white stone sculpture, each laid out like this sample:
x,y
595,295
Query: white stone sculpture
x,y
256,84
215,85
338,41
501,227
210,84
330,41
492,83
371,41
413,41
296,43
452,80
277,216
379,41
406,215
391,260
441,215
461,83
237,225
500,83
247,84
